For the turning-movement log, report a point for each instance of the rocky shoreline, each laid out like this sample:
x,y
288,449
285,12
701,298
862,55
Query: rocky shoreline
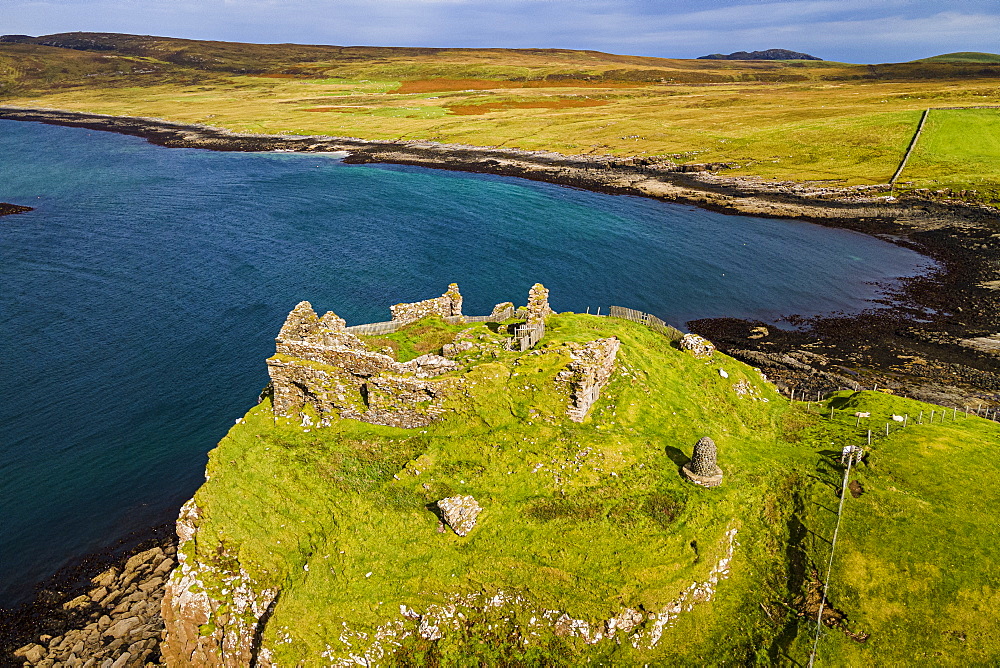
x,y
102,611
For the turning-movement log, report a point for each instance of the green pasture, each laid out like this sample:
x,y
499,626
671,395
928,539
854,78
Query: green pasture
x,y
958,149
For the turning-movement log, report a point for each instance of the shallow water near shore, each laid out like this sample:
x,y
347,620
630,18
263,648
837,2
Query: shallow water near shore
x,y
139,300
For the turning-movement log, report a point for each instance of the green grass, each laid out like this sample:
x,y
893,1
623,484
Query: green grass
x,y
591,518
958,149
963,57
796,120
916,558
586,534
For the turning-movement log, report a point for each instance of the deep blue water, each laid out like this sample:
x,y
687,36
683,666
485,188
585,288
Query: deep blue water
x,y
139,300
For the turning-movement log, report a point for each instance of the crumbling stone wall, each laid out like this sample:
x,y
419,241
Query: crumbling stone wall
x,y
587,373
538,305
321,365
447,305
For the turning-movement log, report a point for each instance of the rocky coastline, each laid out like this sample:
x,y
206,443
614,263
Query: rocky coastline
x,y
940,340
99,612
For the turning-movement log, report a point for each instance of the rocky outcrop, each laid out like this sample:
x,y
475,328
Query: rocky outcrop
x,y
587,373
699,347
447,305
320,365
459,513
6,209
116,622
212,611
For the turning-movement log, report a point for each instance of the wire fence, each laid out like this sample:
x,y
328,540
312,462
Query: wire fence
x,y
871,433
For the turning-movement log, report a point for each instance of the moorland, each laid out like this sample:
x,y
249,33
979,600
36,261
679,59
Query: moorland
x,y
837,123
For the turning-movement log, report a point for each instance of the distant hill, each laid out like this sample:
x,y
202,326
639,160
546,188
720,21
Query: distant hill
x,y
769,54
962,57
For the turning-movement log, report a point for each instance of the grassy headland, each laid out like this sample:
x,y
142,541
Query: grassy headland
x,y
794,120
593,518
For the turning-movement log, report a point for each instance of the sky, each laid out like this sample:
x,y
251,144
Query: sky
x,y
859,31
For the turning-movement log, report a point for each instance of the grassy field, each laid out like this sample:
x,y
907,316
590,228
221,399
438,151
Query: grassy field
x,y
591,518
958,148
795,120
916,561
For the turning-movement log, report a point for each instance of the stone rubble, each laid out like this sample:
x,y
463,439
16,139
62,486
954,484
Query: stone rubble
x,y
699,347
117,623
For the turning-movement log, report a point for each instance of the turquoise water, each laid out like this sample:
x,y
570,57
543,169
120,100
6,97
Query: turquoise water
x,y
139,301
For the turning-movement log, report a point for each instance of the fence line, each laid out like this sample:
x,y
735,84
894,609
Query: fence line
x,y
647,319
829,565
390,326
526,335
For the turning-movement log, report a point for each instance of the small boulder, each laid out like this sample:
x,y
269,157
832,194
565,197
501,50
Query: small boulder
x,y
459,512
699,347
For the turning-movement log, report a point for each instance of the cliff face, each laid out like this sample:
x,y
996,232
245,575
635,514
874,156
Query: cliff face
x,y
320,535
212,609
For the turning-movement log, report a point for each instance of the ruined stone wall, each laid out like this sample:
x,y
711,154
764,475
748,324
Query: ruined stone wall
x,y
447,305
538,305
587,373
320,365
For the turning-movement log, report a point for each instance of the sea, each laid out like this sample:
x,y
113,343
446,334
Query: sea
x,y
140,298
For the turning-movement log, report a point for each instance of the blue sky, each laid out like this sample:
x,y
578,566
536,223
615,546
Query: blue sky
x,y
847,30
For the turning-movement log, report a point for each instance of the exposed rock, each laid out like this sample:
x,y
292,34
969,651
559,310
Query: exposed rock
x,y
6,209
91,633
447,305
587,373
699,347
191,601
702,469
459,512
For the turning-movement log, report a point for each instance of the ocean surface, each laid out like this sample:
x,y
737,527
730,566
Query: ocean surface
x,y
139,301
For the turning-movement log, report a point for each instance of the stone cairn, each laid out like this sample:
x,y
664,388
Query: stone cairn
x,y
702,469
460,513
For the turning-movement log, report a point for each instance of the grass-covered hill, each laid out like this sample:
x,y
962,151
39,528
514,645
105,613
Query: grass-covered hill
x,y
796,120
963,57
585,523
